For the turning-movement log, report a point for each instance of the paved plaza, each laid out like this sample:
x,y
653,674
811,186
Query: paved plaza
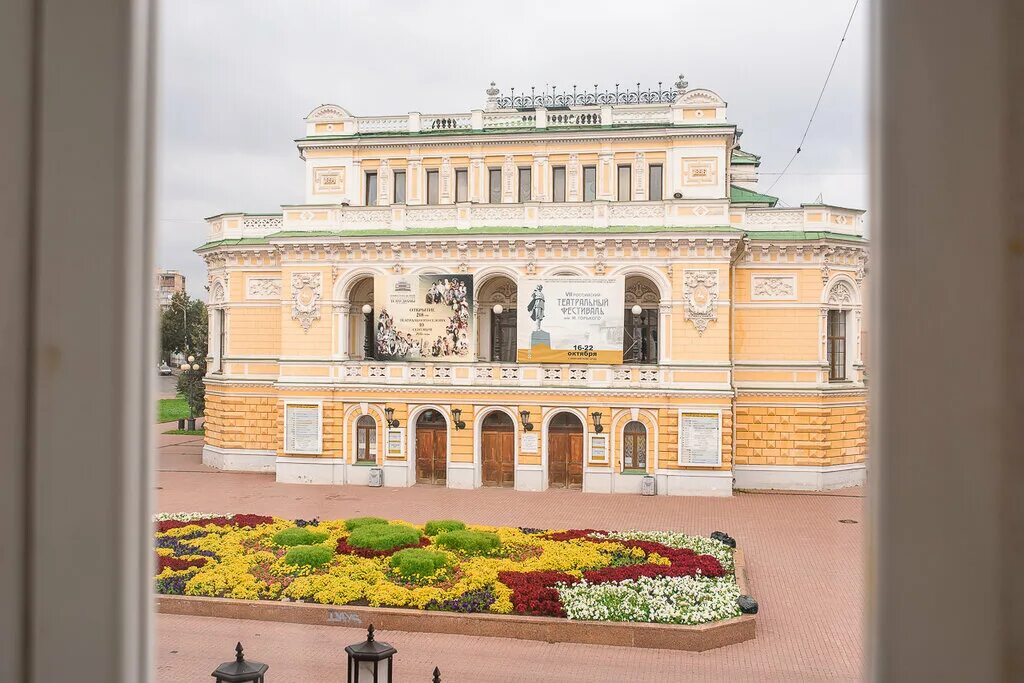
x,y
806,570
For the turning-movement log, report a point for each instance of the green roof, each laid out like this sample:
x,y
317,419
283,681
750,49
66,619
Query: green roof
x,y
741,195
523,129
740,156
794,235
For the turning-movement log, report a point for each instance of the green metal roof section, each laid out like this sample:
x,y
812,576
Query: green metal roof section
x,y
741,195
791,235
523,129
740,156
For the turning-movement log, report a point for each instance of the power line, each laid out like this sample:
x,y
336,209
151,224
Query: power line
x,y
820,95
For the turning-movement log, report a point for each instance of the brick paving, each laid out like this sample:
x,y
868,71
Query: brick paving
x,y
806,570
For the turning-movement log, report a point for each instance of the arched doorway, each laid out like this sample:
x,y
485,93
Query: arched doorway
x,y
498,450
565,452
496,320
360,330
431,448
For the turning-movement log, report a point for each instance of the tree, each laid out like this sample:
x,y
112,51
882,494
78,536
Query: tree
x,y
183,328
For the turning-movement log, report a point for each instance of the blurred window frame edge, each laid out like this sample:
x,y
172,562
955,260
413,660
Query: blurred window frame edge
x,y
972,509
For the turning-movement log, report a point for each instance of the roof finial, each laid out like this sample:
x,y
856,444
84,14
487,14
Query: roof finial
x,y
681,84
239,657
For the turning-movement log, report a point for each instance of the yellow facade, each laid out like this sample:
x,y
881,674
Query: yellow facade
x,y
752,312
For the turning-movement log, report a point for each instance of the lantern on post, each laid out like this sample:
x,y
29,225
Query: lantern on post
x,y
366,660
240,671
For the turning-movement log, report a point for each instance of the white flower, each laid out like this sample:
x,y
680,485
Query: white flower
x,y
662,599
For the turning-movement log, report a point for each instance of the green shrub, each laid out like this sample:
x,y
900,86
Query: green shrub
x,y
469,542
417,563
299,535
433,528
309,555
356,522
383,536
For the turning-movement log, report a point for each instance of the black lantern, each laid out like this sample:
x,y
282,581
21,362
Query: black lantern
x,y
389,413
457,418
365,660
525,415
240,671
596,416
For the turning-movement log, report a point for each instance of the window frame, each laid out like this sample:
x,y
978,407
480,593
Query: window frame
x,y
557,171
628,185
371,429
634,437
435,174
528,185
593,197
222,337
651,194
837,344
370,193
493,188
403,186
461,173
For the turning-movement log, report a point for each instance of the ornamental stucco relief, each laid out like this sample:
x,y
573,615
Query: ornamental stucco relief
x,y
263,288
306,293
700,297
773,287
841,294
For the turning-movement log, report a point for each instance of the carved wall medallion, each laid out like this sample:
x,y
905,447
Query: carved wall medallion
x,y
306,294
263,288
700,295
773,287
639,292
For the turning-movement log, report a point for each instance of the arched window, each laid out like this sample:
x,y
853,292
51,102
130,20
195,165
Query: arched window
x,y
366,439
634,446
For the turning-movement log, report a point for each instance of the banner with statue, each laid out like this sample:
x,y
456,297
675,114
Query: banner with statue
x,y
570,320
423,317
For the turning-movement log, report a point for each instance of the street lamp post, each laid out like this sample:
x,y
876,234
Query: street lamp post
x,y
190,366
367,332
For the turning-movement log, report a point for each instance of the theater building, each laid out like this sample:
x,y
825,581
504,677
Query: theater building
x,y
561,289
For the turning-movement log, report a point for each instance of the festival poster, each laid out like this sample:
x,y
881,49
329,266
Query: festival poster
x,y
570,320
423,317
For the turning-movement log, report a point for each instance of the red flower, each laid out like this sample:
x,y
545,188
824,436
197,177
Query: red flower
x,y
534,592
235,520
177,564
573,534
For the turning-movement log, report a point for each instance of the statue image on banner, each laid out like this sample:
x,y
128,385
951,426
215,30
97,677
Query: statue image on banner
x,y
571,320
425,317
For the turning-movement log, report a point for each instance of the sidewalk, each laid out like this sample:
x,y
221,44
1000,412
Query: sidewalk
x,y
806,570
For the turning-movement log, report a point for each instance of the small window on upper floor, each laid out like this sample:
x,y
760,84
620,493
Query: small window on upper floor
x,y
656,183
589,183
432,187
558,184
494,186
371,189
525,184
625,176
461,185
399,187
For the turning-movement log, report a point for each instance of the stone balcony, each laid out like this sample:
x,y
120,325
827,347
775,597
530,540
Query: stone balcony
x,y
498,376
686,214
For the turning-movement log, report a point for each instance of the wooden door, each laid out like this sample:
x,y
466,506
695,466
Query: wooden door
x,y
565,452
431,449
497,451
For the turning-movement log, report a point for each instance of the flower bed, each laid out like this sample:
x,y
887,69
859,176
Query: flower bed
x,y
580,574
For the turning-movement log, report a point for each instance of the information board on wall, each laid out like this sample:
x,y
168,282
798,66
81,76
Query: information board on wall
x,y
394,445
529,442
570,320
700,439
302,428
423,317
598,448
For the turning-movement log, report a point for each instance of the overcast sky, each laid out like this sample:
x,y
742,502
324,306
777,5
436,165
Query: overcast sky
x,y
237,77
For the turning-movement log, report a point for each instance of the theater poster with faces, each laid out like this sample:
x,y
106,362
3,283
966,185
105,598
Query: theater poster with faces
x,y
570,320
423,317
